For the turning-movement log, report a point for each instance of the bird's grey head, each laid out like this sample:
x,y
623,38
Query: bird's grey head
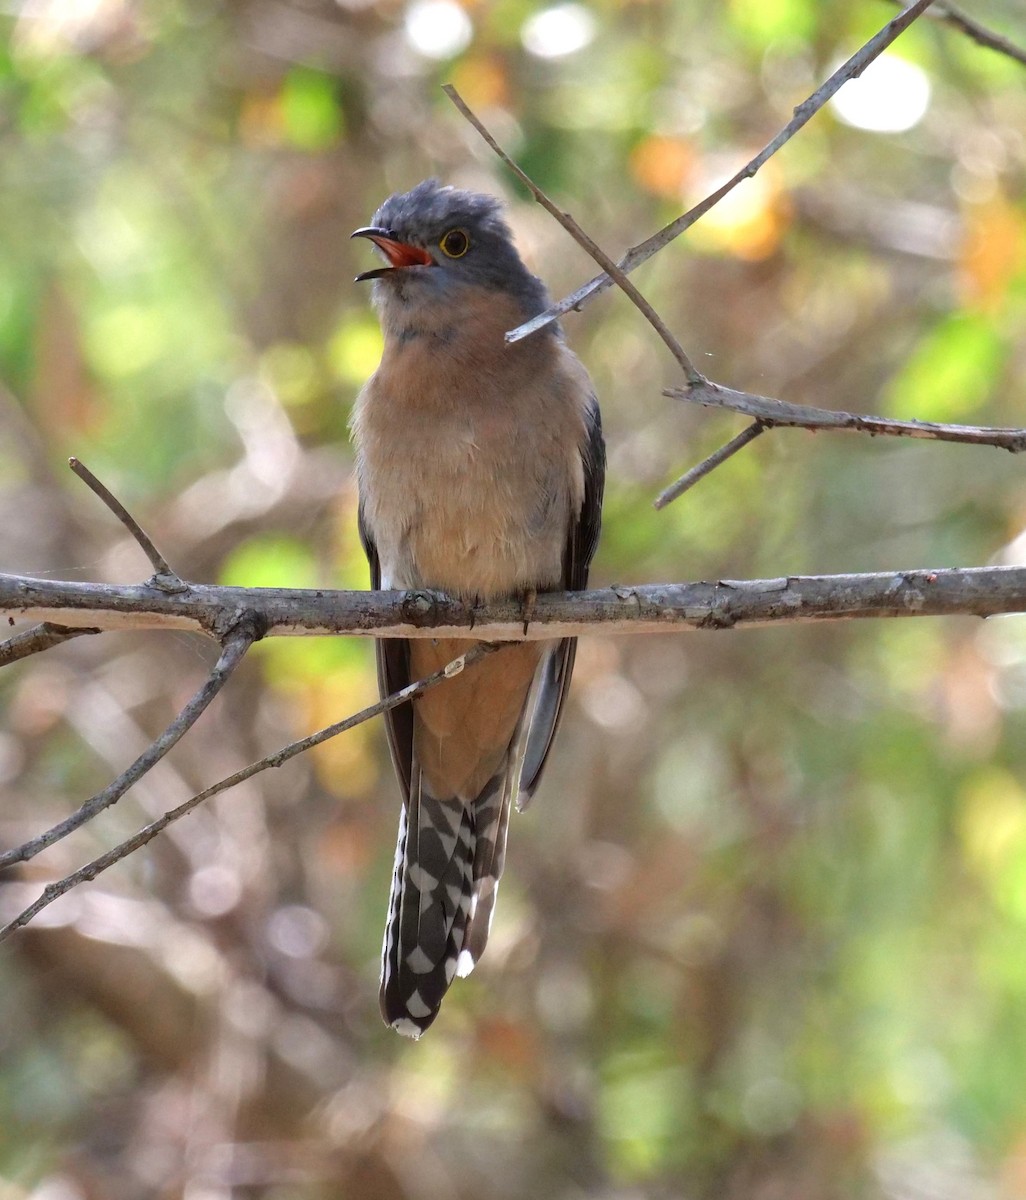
x,y
439,240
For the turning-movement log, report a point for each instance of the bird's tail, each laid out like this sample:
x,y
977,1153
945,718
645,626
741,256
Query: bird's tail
x,y
447,866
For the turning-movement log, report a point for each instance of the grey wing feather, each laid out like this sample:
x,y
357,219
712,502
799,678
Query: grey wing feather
x,y
554,674
392,657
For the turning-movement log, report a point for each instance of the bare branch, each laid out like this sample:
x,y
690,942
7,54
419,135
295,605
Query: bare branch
x,y
802,114
166,578
653,608
690,478
582,239
980,34
247,630
33,641
772,412
55,890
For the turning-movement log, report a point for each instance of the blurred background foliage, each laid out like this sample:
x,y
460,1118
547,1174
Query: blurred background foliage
x,y
762,933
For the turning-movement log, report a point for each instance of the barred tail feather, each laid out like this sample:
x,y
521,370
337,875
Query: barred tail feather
x,y
491,823
447,865
428,910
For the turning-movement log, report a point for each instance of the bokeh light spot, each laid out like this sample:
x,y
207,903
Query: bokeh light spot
x,y
890,96
558,31
438,28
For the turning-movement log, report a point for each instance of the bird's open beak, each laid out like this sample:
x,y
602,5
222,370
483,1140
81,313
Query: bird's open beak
x,y
399,254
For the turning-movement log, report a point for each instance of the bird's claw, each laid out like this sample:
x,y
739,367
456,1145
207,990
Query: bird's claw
x,y
527,603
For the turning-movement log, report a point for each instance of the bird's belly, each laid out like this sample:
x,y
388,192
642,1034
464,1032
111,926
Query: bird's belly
x,y
479,558
471,525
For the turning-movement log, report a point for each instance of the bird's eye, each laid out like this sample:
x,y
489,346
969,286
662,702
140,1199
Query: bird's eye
x,y
455,243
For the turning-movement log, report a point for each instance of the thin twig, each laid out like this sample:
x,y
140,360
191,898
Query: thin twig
x,y
690,478
950,15
582,239
770,413
166,577
778,412
802,114
247,630
40,637
54,890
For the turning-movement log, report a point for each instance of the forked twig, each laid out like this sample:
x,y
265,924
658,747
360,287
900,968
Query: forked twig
x,y
699,389
688,480
48,634
246,631
59,887
801,416
950,15
770,413
582,239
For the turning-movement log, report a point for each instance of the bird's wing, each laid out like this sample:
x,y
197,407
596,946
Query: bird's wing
x,y
392,656
554,674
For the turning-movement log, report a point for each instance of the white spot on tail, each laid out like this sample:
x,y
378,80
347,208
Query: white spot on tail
x,y
418,961
416,1007
421,880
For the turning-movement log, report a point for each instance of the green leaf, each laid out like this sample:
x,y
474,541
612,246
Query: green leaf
x,y
270,561
763,20
951,373
309,108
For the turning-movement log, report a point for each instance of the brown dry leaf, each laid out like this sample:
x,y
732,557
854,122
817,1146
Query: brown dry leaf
x,y
346,765
750,222
483,82
663,165
511,1044
63,392
993,251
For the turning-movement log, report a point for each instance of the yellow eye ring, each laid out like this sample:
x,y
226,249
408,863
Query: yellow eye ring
x,y
455,243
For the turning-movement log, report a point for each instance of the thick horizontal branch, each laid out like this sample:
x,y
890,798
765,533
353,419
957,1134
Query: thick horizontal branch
x,y
653,608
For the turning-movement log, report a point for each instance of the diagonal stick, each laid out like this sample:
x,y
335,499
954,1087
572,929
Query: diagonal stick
x,y
248,629
157,560
578,234
769,413
807,109
39,637
55,890
950,15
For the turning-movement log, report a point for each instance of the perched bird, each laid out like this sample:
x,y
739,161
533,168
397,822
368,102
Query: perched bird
x,y
480,468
